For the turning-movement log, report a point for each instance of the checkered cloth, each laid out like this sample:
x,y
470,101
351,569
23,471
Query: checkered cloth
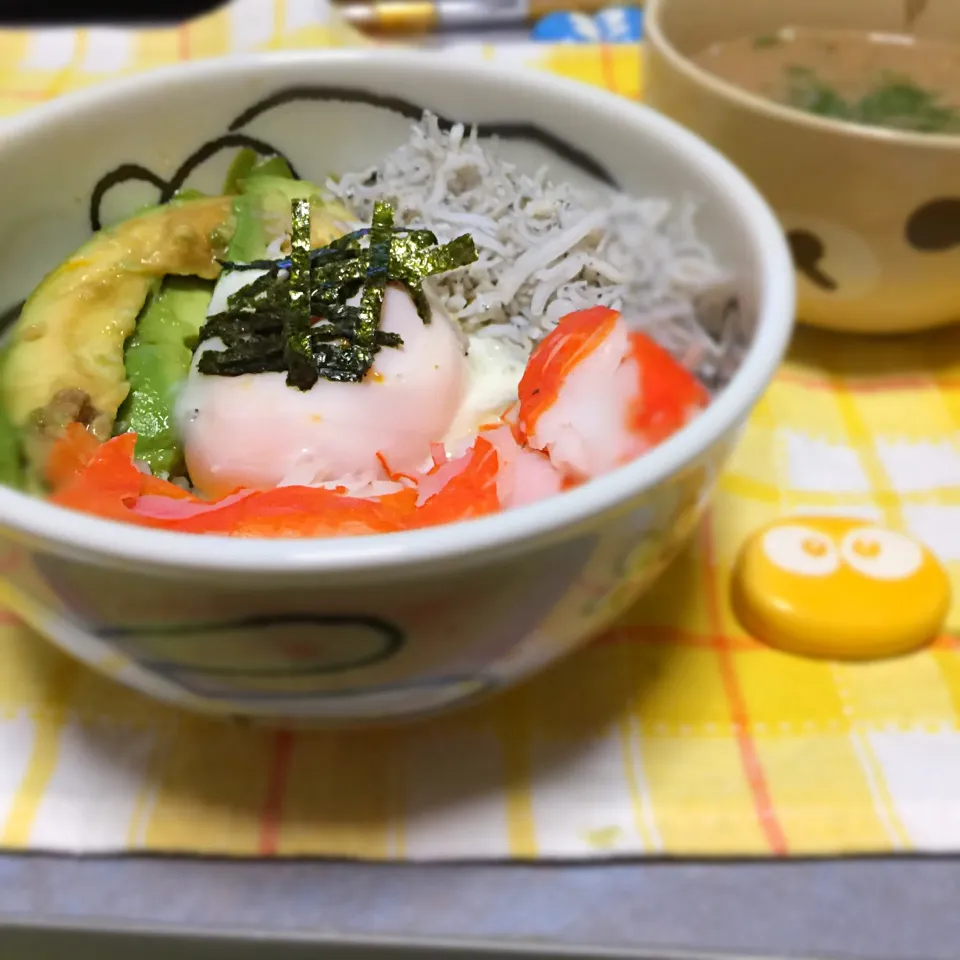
x,y
673,734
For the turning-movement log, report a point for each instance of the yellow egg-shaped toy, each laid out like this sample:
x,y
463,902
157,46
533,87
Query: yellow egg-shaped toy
x,y
840,588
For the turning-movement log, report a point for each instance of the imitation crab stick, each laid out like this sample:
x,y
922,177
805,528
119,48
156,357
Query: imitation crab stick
x,y
70,454
110,485
670,395
103,479
594,395
460,489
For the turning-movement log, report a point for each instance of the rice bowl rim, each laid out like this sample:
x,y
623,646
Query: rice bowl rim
x,y
30,519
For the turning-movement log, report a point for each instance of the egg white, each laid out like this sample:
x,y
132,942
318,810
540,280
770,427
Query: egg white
x,y
494,369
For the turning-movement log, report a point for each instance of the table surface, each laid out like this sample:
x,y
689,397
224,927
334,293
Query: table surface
x,y
863,909
868,909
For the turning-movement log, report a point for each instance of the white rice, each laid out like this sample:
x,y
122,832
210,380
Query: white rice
x,y
548,248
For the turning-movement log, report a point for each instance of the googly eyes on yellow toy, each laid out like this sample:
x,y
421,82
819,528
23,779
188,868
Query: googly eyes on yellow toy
x,y
839,587
800,550
881,554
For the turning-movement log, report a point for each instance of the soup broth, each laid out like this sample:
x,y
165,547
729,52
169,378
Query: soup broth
x,y
895,81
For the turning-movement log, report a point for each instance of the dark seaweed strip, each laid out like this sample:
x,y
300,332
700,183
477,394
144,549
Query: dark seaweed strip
x,y
328,296
411,261
458,252
269,324
228,327
340,249
377,274
235,363
270,286
254,264
343,271
301,367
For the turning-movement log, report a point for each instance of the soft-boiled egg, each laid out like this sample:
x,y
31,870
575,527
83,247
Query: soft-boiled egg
x,y
254,431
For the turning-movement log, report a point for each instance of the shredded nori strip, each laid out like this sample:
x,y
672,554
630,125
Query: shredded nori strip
x,y
296,318
378,272
298,351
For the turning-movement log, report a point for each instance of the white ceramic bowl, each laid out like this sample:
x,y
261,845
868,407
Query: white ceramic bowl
x,y
381,627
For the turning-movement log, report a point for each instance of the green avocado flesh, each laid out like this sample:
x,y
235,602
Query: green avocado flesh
x,y
11,459
157,358
107,337
247,164
263,215
66,350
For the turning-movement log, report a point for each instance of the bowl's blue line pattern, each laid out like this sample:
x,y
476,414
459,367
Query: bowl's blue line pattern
x,y
234,138
391,641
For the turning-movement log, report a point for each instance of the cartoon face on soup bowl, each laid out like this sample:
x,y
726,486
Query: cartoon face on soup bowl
x,y
382,626
845,117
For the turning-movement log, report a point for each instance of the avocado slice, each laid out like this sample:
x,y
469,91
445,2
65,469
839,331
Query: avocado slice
x,y
78,350
11,458
71,332
268,200
248,163
157,359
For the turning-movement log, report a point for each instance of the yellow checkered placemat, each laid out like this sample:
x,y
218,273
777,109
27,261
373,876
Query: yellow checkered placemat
x,y
673,734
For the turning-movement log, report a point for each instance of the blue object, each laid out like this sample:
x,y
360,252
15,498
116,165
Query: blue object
x,y
614,25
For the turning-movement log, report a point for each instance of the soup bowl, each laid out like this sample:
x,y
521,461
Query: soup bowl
x,y
872,214
368,628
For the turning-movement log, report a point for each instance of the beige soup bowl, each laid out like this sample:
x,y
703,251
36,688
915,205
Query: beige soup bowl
x,y
873,216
